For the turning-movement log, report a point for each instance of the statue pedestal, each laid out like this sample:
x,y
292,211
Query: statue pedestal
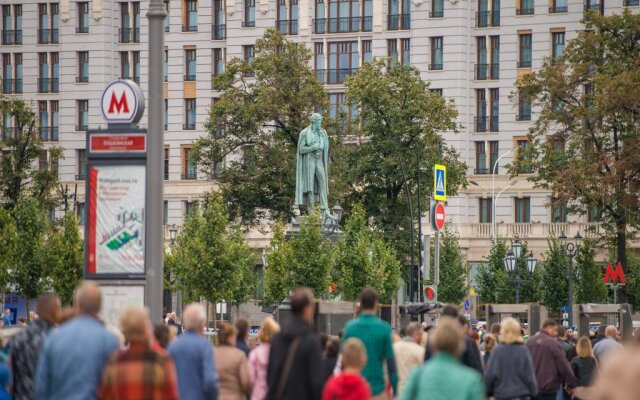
x,y
294,229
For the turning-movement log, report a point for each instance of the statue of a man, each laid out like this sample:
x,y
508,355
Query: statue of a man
x,y
312,166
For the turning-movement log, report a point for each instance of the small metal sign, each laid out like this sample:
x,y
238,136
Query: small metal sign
x,y
122,102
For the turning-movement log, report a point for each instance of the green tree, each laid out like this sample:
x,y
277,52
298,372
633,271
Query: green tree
x,y
493,282
453,269
362,259
553,291
256,122
276,285
589,100
29,273
633,281
399,119
589,286
64,259
21,146
8,246
212,259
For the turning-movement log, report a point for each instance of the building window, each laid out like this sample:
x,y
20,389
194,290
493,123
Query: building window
x,y
493,156
190,64
405,56
392,51
136,22
557,49
136,66
525,7
523,210
83,115
436,91
437,9
249,14
558,6
481,52
166,163
367,55
7,74
559,212
125,67
83,66
218,62
436,53
125,24
43,120
495,110
44,82
81,156
343,60
80,210
595,6
341,16
191,16
481,159
55,72
523,145
319,62
524,56
83,17
399,16
595,213
167,19
166,114
494,70
216,169
249,55
524,108
190,114
481,111
17,58
55,120
218,30
485,211
189,170
190,207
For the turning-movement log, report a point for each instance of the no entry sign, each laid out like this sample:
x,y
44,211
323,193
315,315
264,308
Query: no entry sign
x,y
438,216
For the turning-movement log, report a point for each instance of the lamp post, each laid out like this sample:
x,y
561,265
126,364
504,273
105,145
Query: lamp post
x,y
494,199
493,191
332,222
570,250
511,266
175,295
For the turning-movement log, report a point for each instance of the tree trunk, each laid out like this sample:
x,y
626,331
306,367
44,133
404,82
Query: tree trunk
x,y
621,249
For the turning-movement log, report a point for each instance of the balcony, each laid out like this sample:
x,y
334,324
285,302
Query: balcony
x,y
481,171
481,123
487,71
524,64
12,37
343,25
631,3
189,175
559,9
81,177
82,79
523,116
189,126
529,230
48,134
218,32
190,77
485,19
48,36
436,14
398,21
248,24
525,11
334,76
287,26
436,67
10,86
82,29
189,28
129,35
48,85
595,7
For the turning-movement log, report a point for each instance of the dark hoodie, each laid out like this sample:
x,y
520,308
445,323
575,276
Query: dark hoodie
x,y
305,380
346,387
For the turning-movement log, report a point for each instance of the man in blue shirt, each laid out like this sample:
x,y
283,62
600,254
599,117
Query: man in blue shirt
x,y
193,357
75,354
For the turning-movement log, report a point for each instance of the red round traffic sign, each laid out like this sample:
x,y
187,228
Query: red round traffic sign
x,y
438,216
430,292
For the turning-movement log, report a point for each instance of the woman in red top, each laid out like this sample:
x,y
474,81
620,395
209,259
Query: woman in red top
x,y
349,385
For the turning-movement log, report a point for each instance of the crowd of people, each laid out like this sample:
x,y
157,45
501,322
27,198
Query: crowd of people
x,y
75,356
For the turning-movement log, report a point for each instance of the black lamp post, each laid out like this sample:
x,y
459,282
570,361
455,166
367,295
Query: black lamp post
x,y
570,250
511,266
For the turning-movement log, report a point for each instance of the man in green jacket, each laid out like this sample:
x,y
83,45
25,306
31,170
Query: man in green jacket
x,y
376,336
444,377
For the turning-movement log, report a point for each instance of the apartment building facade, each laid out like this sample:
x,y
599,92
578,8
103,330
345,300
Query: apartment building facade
x,y
60,55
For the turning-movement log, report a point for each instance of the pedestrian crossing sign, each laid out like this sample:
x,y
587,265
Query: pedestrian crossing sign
x,y
440,182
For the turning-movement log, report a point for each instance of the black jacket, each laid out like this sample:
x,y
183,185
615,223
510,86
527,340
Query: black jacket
x,y
470,357
584,368
305,381
510,373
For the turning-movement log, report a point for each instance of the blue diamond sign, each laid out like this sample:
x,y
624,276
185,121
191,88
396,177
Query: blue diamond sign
x,y
440,182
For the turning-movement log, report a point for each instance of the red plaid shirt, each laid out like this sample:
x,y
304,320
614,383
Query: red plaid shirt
x,y
139,373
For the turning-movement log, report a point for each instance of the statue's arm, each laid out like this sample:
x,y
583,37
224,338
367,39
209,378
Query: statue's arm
x,y
303,149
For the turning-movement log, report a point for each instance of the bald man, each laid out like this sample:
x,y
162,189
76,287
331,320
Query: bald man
x,y
26,346
74,355
607,346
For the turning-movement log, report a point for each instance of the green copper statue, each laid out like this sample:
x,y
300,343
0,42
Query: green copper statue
x,y
312,167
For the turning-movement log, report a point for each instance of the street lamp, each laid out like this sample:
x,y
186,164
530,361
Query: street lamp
x,y
172,234
570,250
511,266
175,295
493,191
332,222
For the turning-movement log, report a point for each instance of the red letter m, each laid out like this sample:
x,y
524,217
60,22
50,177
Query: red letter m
x,y
614,275
120,105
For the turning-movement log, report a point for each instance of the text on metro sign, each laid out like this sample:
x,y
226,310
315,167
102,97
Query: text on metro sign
x,y
112,143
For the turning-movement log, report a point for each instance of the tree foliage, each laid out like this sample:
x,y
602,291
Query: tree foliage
x,y
362,258
64,259
589,100
589,286
553,293
276,285
399,119
453,269
8,247
212,259
255,124
633,281
493,282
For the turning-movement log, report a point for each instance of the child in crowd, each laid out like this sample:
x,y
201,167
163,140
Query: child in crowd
x,y
349,385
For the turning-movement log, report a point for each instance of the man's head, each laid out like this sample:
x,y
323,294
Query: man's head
x,y
49,307
242,326
135,325
369,299
303,304
7,312
88,299
195,316
561,332
602,329
449,311
414,331
495,329
354,355
551,327
316,120
611,332
447,337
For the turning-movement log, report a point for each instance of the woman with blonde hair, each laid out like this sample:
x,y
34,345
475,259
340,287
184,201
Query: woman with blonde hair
x,y
510,373
259,358
584,364
233,372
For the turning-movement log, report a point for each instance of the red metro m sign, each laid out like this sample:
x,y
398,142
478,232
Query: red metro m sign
x,y
122,102
614,276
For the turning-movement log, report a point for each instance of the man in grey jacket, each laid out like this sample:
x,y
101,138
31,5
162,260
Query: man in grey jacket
x,y
608,345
